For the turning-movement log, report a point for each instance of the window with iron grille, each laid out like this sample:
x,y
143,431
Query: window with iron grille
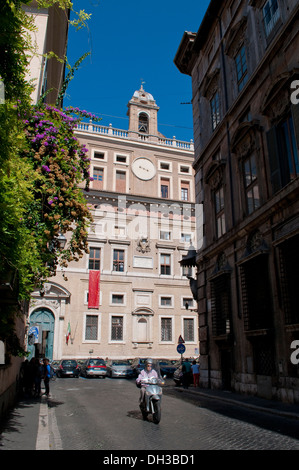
x,y
166,329
264,356
221,305
91,327
289,261
94,258
117,328
256,293
189,329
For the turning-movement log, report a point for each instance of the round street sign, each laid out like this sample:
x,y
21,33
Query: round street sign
x,y
180,348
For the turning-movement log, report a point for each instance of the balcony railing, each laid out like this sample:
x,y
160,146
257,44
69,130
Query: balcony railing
x,y
132,135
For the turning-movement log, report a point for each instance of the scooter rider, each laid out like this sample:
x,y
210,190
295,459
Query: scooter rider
x,y
147,373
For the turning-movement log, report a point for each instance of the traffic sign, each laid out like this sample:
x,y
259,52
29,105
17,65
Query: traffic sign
x,y
181,348
181,340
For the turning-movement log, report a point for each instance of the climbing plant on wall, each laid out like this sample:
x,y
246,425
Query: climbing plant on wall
x,y
43,167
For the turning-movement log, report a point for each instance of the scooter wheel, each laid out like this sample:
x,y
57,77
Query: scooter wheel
x,y
144,413
157,412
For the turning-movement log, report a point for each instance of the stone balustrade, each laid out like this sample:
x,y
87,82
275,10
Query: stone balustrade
x,y
130,135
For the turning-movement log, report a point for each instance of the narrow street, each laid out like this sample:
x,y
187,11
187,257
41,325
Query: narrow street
x,y
103,414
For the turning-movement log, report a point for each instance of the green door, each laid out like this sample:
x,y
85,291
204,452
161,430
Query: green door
x,y
43,318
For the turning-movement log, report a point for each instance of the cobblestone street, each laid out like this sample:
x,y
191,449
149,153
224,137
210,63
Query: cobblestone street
x,y
104,415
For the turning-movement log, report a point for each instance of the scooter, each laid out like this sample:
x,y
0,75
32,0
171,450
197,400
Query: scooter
x,y
152,398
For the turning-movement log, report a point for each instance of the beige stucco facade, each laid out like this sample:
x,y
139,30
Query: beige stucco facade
x,y
142,200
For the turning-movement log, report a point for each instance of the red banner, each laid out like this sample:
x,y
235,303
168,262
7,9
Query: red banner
x,y
94,289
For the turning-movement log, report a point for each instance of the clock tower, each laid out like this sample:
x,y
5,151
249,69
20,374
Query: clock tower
x,y
142,112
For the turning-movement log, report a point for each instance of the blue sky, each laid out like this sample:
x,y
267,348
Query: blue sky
x,y
131,41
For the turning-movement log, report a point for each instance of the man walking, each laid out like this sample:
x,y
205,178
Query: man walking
x,y
47,375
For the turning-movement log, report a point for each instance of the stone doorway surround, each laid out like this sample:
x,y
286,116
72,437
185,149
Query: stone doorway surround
x,y
55,298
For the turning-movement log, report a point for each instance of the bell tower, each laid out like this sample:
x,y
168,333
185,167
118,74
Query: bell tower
x,y
142,112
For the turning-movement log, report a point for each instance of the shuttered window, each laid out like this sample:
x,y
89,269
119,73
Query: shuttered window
x,y
120,181
98,174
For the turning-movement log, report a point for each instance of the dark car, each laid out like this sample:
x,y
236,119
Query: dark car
x,y
138,365
68,368
94,368
167,368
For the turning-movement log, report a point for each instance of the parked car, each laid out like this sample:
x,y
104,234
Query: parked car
x,y
177,376
138,365
94,368
167,368
68,368
119,368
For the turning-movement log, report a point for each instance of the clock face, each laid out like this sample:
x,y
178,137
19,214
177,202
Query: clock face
x,y
143,168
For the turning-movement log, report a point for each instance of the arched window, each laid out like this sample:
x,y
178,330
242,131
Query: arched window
x,y
143,123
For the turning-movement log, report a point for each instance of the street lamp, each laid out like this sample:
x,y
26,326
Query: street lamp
x,y
61,240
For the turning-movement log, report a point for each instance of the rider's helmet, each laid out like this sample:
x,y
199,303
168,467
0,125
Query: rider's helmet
x,y
149,361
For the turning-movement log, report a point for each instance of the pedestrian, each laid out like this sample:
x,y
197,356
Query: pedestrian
x,y
186,369
38,375
47,375
195,372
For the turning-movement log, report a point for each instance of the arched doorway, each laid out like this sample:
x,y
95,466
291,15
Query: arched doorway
x,y
44,319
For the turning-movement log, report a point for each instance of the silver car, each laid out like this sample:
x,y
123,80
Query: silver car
x,y
119,368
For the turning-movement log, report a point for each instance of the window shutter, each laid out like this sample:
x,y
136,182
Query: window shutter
x,y
274,160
